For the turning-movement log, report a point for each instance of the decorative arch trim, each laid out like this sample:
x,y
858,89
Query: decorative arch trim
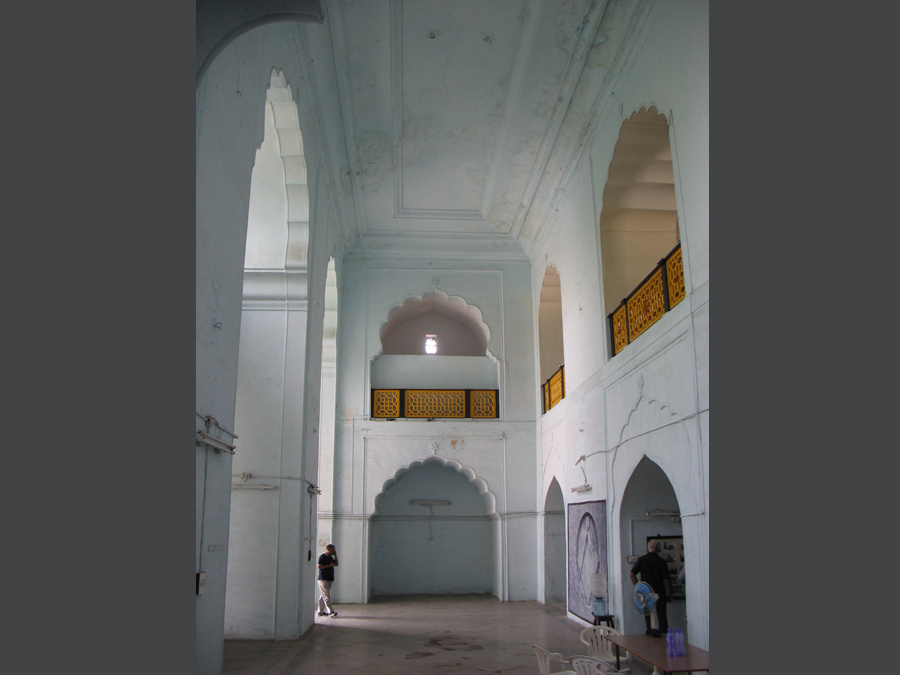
x,y
490,500
452,307
290,144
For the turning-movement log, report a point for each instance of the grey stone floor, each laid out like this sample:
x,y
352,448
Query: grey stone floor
x,y
419,634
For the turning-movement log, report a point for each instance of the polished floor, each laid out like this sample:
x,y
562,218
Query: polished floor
x,y
419,634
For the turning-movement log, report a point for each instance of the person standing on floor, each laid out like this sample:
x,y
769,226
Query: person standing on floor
x,y
655,572
327,562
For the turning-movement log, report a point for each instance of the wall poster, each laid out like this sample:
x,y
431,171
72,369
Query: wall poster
x,y
586,545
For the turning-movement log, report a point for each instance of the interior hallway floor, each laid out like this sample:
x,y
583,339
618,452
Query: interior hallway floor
x,y
419,634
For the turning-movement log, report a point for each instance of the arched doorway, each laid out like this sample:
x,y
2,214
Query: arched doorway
x,y
554,545
650,510
267,513
432,533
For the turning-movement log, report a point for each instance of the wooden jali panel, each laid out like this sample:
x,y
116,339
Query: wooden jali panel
x,y
675,278
435,403
620,329
557,392
483,403
386,403
647,305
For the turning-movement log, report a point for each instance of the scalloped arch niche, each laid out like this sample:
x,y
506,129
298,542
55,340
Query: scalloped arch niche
x,y
459,326
427,549
463,359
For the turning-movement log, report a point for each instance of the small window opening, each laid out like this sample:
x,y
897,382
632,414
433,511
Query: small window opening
x,y
430,344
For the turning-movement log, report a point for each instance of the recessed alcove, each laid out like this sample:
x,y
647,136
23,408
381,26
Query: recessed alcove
x,y
461,341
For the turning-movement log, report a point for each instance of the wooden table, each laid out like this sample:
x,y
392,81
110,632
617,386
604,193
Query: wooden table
x,y
653,651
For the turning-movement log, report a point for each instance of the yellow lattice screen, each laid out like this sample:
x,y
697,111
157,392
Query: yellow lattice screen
x,y
620,329
675,278
557,392
546,391
483,403
386,403
646,305
648,302
435,403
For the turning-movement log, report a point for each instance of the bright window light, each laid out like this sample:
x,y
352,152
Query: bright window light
x,y
430,344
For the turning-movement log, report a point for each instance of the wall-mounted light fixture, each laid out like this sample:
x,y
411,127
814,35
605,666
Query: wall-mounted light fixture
x,y
216,443
674,516
585,487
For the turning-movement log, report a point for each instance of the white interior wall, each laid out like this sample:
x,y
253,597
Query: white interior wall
x,y
434,372
501,452
603,416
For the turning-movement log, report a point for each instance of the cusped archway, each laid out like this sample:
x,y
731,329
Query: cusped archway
x,y
433,519
458,327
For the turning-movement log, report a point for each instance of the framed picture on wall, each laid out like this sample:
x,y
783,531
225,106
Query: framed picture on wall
x,y
586,551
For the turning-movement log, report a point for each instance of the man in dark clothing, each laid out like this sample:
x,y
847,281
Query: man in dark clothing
x,y
655,572
327,562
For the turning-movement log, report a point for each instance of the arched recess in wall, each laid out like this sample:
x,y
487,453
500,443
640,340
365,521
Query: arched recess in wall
x,y
435,341
431,521
554,545
639,222
550,336
273,326
459,326
650,509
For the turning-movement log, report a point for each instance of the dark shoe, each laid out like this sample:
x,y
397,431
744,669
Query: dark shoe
x,y
323,613
333,614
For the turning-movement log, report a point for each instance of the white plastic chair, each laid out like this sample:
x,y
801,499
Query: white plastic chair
x,y
601,648
545,659
589,665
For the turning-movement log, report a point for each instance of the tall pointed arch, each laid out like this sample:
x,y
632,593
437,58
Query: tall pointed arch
x,y
639,222
264,580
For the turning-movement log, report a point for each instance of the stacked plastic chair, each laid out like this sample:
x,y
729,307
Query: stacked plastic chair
x,y
601,648
589,665
546,659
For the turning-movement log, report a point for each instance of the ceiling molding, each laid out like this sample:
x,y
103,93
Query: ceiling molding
x,y
552,187
582,48
452,248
